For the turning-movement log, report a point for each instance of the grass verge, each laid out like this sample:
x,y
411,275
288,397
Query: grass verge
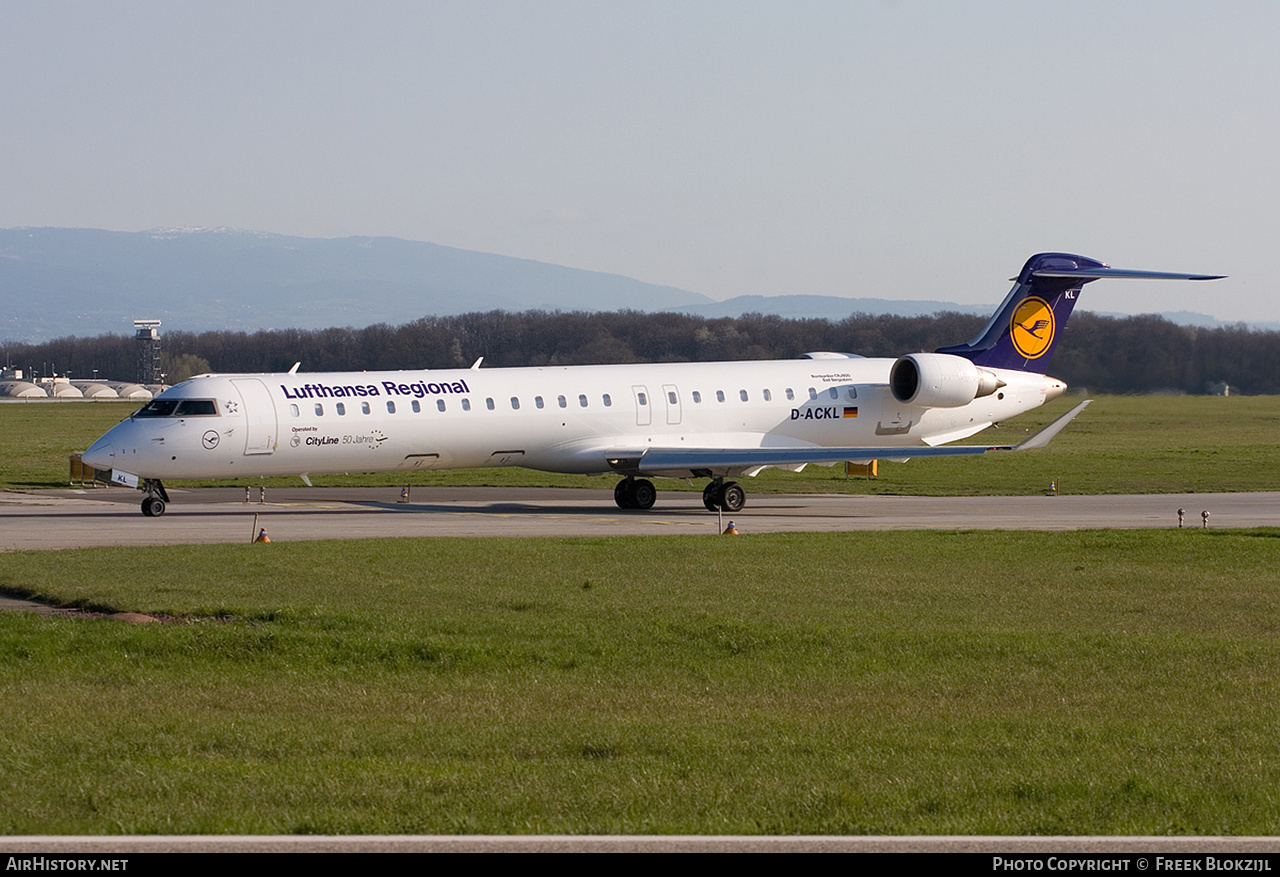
x,y
1117,682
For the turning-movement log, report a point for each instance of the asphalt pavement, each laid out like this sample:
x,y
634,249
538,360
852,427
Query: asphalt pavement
x,y
73,518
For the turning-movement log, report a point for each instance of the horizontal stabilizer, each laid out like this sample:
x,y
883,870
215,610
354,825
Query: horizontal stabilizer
x,y
1100,273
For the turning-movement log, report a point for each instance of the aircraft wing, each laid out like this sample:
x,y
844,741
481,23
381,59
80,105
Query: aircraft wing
x,y
1042,436
656,459
664,459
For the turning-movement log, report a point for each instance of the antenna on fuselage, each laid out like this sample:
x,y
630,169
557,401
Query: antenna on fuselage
x,y
294,370
476,364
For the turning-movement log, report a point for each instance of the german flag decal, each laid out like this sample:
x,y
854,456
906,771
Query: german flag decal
x,y
851,412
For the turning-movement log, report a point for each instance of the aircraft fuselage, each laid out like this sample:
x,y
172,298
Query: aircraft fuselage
x,y
560,419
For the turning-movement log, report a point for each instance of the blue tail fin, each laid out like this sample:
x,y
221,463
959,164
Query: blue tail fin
x,y
1024,331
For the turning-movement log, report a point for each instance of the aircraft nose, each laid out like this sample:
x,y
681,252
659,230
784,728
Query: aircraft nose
x,y
101,454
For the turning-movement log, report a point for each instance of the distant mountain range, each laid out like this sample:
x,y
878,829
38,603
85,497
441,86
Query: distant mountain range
x,y
57,281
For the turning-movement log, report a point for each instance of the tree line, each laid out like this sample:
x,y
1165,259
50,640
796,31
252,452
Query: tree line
x,y
1139,354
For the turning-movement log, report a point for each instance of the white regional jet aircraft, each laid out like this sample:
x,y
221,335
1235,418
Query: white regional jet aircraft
x,y
716,420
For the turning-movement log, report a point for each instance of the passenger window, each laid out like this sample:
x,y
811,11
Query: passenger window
x,y
364,407
466,405
440,404
644,400
671,397
391,407
697,398
319,410
293,408
417,409
813,394
515,403
608,402
341,409
768,397
719,395
582,400
742,394
791,394
488,403
833,393
561,401
537,401
853,392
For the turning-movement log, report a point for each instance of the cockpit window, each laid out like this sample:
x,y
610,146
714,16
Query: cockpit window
x,y
158,408
196,408
178,408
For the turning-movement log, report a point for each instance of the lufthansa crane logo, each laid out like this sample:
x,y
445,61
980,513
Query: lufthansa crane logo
x,y
1031,329
209,440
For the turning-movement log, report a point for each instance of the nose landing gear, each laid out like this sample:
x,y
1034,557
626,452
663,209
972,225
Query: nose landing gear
x,y
153,504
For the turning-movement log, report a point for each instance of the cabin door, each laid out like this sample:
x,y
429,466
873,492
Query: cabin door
x,y
644,405
673,403
260,416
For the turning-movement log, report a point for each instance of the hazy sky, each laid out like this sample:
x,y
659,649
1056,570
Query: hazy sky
x,y
893,149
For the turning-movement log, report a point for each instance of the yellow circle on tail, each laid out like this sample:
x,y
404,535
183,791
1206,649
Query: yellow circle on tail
x,y
1032,327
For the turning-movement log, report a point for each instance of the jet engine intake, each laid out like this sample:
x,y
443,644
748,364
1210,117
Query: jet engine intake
x,y
940,380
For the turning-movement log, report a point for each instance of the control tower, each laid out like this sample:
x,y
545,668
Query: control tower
x,y
146,334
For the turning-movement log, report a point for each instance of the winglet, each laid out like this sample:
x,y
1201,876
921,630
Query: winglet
x,y
1045,434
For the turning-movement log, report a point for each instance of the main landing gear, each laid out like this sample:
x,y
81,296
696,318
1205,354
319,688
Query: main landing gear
x,y
635,493
154,503
721,495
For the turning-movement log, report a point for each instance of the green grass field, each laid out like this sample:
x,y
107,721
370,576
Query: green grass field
x,y
1121,444
1117,682
981,683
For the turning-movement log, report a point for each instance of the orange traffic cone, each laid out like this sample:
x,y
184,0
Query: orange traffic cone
x,y
262,536
730,530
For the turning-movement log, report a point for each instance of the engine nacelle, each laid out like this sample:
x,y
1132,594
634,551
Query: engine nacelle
x,y
940,380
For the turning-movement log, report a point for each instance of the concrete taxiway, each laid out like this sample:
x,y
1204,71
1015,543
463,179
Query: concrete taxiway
x,y
110,516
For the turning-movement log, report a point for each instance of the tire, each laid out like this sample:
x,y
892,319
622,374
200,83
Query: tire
x,y
643,494
622,494
153,507
711,497
733,497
